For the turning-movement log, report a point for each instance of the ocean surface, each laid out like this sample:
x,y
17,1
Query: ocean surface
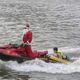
x,y
53,23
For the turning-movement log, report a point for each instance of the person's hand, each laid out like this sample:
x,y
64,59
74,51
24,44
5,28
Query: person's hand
x,y
25,44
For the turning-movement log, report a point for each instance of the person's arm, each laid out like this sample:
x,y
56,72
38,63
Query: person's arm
x,y
25,39
29,37
55,54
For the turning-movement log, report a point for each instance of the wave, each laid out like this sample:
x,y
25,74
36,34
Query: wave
x,y
69,51
41,66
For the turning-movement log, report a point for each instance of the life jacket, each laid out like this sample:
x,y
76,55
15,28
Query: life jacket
x,y
60,55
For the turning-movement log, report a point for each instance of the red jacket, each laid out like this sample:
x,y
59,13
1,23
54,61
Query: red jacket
x,y
28,50
27,37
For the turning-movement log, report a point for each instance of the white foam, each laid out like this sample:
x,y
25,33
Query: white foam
x,y
41,66
72,52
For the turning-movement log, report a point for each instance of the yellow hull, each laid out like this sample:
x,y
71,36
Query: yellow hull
x,y
59,60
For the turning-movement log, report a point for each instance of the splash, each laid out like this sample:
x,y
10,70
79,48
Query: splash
x,y
72,52
41,66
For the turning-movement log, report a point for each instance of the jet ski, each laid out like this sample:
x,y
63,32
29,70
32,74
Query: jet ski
x,y
15,52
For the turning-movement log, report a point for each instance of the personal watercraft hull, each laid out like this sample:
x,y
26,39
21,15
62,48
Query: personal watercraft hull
x,y
6,56
15,53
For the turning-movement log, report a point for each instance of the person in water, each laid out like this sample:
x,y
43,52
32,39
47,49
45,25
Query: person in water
x,y
58,54
27,40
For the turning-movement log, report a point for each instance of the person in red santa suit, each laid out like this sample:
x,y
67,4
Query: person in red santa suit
x,y
27,39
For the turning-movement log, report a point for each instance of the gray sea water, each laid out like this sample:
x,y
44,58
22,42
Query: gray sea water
x,y
53,23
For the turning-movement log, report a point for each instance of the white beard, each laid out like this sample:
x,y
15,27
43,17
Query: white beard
x,y
25,30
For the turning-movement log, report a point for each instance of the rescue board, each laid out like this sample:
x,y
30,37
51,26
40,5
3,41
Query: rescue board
x,y
59,60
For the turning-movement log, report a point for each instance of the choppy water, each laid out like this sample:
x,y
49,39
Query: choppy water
x,y
54,23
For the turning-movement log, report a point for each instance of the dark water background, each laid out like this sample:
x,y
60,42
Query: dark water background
x,y
53,22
